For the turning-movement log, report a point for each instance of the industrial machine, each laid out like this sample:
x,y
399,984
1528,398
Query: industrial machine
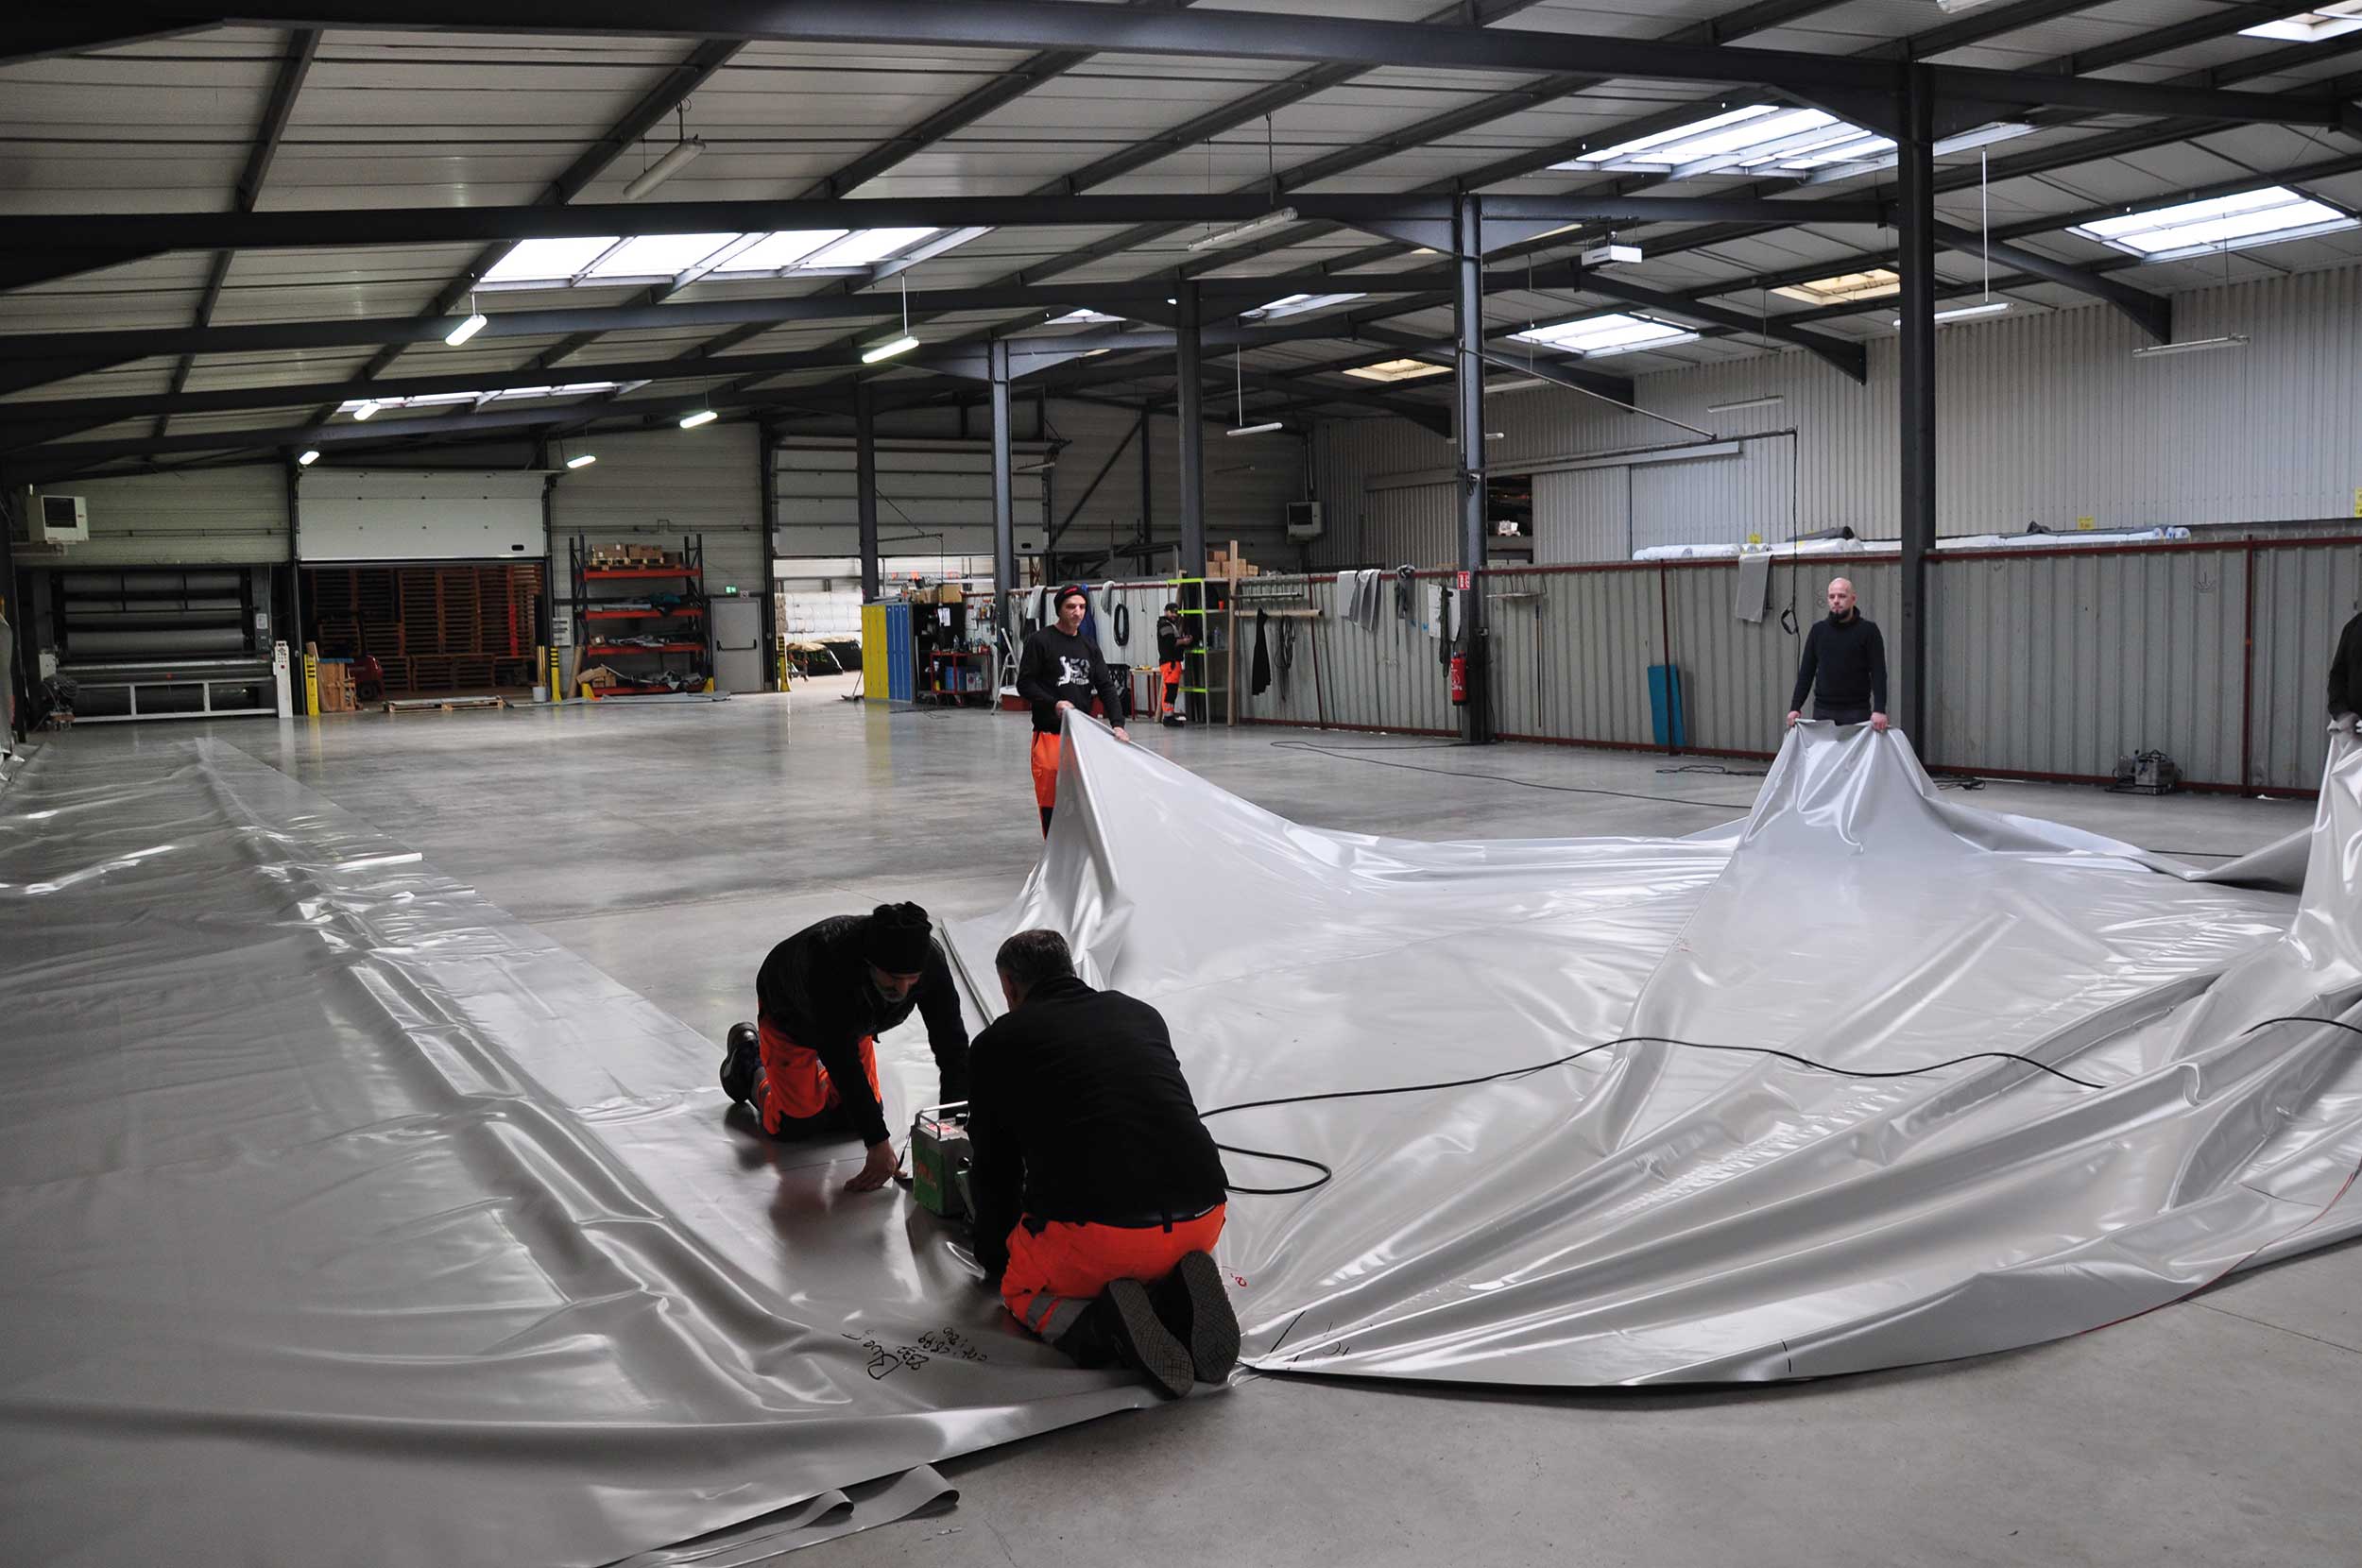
x,y
2147,773
1304,520
940,1157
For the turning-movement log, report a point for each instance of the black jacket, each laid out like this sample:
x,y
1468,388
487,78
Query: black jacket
x,y
1057,668
816,989
1848,659
2345,671
1171,641
1077,1111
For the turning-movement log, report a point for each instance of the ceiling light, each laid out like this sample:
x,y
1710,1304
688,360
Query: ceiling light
x,y
1598,336
1513,384
1953,8
676,158
582,462
364,409
1496,436
1962,313
1043,467
2313,26
2260,216
1768,400
902,344
1297,304
1870,285
1398,369
309,457
1263,428
467,329
1610,254
703,416
1269,221
2195,346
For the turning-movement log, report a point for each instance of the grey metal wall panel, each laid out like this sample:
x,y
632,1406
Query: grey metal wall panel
x,y
2303,597
194,516
1410,526
1582,515
654,486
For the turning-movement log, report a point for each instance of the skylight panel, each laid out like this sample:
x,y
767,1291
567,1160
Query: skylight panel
x,y
1083,315
656,256
513,394
2313,26
1598,336
1297,304
1398,369
1871,284
2220,223
864,248
777,253
548,260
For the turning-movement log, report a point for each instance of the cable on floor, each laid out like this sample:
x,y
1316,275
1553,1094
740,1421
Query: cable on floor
x,y
1344,754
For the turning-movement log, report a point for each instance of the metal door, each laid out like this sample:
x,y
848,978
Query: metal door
x,y
737,644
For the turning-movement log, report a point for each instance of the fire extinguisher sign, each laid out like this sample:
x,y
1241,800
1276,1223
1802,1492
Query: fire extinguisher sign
x,y
1465,582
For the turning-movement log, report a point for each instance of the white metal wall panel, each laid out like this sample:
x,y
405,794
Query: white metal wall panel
x,y
2303,598
1248,483
423,515
1582,515
1408,525
1716,500
192,517
935,498
651,487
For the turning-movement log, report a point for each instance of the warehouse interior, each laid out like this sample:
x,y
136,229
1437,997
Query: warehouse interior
x,y
495,540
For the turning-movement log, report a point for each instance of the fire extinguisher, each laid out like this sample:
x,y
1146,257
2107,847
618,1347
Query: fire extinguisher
x,y
1459,680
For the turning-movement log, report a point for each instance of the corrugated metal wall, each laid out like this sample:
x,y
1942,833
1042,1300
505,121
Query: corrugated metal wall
x,y
1249,481
935,498
2049,663
2041,417
190,517
651,487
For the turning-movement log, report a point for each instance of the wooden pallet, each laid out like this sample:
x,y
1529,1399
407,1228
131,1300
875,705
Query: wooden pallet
x,y
444,705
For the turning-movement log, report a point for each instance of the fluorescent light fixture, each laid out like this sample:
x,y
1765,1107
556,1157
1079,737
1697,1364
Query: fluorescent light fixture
x,y
863,247
656,256
1083,315
1496,436
308,457
1043,467
363,409
2259,216
1247,231
1297,304
1768,400
1844,286
510,394
676,158
2313,26
2195,346
583,462
1963,312
902,344
475,323
549,261
1599,337
1263,428
1398,369
1954,7
1610,254
1513,384
703,416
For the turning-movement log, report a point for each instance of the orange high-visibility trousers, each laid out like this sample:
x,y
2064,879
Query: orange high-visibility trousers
x,y
1169,676
1054,1274
1045,770
793,1085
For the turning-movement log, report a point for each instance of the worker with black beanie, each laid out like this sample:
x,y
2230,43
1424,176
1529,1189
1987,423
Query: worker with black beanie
x,y
809,1064
1059,669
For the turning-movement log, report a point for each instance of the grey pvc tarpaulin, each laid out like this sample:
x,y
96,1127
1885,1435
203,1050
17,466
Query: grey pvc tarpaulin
x,y
344,1218
1659,1211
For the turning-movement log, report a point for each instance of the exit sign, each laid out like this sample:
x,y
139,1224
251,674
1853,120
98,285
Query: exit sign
x,y
1468,577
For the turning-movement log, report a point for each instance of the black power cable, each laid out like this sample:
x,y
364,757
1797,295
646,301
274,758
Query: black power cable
x,y
1344,755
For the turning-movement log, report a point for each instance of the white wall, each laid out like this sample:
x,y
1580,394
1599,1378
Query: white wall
x,y
190,517
652,488
2045,417
418,515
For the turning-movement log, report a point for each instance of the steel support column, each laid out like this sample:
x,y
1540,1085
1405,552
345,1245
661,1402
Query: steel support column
x,y
302,705
1191,445
1003,520
866,484
767,475
1467,310
1915,231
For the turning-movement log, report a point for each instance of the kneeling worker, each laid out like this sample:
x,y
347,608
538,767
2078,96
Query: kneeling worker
x,y
1058,671
825,995
1098,1193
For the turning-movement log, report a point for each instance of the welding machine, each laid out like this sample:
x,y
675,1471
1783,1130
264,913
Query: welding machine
x,y
2147,773
940,1159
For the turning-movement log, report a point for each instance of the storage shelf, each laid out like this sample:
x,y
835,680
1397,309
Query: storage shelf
x,y
609,573
612,649
685,611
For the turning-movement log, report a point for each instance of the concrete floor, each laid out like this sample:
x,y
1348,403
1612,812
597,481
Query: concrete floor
x,y
671,845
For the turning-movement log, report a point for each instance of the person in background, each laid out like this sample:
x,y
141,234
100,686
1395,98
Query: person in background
x,y
1845,666
2345,678
1060,669
1098,1192
809,1066
1172,647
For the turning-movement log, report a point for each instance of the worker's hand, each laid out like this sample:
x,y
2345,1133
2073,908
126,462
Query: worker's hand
x,y
1063,707
878,1169
1793,714
1123,734
2342,724
1879,722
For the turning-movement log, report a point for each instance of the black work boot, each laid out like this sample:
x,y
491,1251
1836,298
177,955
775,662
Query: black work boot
x,y
1195,1306
1123,1325
741,1058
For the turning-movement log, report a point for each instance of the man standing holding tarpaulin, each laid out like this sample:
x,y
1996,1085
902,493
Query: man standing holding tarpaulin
x,y
1061,669
1845,666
